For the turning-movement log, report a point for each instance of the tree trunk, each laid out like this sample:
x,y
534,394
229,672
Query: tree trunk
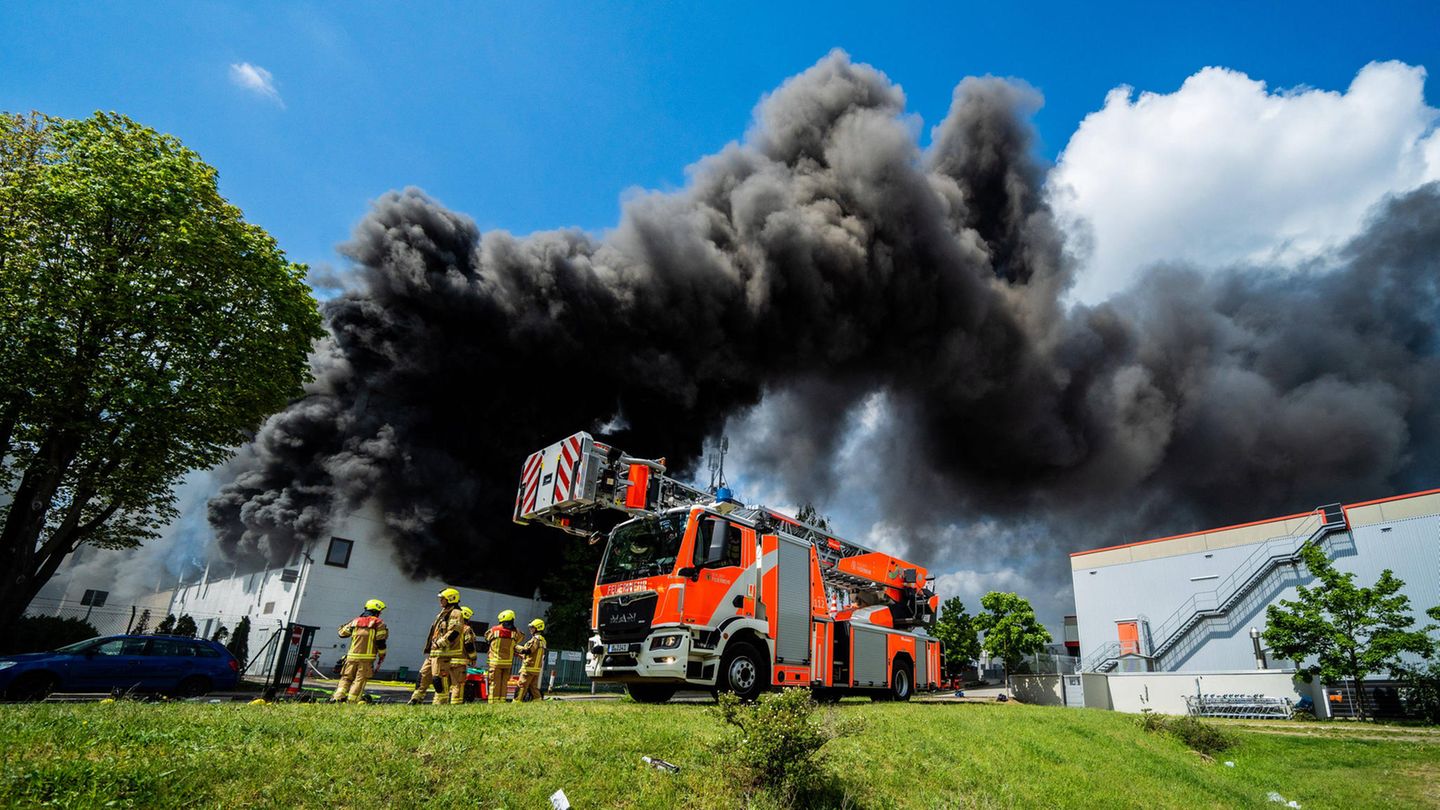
x,y
24,525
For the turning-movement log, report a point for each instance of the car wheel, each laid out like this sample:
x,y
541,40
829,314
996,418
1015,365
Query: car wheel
x,y
193,686
650,692
743,672
33,687
826,695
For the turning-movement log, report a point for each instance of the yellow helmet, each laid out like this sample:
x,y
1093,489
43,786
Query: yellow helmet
x,y
538,624
375,604
507,616
466,613
450,595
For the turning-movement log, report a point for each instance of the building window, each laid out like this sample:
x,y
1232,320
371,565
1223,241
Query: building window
x,y
269,608
339,553
94,598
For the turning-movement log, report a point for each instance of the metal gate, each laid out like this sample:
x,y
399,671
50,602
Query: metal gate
x,y
1074,688
792,624
289,672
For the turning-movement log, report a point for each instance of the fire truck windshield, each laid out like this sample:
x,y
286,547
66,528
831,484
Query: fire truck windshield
x,y
643,548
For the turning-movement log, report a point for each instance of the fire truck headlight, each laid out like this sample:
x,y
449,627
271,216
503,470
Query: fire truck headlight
x,y
665,642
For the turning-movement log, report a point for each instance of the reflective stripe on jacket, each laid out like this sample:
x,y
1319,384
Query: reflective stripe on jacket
x,y
367,636
534,652
447,634
502,645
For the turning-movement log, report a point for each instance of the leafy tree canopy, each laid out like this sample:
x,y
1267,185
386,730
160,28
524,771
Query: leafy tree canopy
x,y
1010,628
1343,629
958,635
146,327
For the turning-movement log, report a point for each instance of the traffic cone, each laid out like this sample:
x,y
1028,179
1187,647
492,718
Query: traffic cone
x,y
294,688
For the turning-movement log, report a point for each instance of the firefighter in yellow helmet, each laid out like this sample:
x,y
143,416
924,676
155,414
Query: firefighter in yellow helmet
x,y
502,639
444,642
533,652
459,663
368,634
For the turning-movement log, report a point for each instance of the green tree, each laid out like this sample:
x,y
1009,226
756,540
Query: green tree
x,y
1011,631
959,639
221,633
142,625
570,589
166,627
185,626
809,514
147,329
239,644
1347,630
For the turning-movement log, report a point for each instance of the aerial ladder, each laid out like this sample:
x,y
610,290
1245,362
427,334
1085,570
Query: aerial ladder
x,y
697,590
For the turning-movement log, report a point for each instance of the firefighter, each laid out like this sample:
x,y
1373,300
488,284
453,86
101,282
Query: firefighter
x,y
444,642
460,663
502,639
534,657
367,633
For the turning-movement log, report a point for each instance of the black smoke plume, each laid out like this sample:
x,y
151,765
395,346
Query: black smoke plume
x,y
823,259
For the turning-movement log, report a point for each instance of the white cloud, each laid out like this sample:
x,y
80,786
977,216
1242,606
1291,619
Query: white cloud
x,y
257,80
1224,170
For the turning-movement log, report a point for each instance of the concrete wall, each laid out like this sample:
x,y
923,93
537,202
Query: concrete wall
x,y
1165,692
1097,691
1039,690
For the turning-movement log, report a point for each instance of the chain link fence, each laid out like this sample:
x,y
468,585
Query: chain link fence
x,y
58,622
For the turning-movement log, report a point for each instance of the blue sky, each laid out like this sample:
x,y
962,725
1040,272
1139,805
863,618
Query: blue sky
x,y
540,115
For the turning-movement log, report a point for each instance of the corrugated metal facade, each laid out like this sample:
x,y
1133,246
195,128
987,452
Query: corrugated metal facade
x,y
1157,580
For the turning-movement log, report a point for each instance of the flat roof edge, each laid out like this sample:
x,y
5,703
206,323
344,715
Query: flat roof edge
x,y
1346,507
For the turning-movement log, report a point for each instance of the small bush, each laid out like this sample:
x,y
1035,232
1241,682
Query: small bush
x,y
1151,722
1420,692
1203,738
44,633
776,742
1206,738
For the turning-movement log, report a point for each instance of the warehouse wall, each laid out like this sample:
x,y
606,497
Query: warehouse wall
x,y
1165,692
330,596
1154,579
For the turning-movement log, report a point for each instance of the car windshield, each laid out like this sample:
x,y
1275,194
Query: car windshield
x,y
645,548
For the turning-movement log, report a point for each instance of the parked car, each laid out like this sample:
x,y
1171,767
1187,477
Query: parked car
x,y
179,666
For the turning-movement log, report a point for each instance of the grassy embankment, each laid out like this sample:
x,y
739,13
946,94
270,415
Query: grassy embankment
x,y
237,755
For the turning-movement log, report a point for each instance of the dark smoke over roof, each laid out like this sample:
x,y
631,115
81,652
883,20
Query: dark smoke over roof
x,y
823,259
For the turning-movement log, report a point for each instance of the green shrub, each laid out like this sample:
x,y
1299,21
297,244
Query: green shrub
x,y
43,633
1420,692
776,742
1201,737
1206,738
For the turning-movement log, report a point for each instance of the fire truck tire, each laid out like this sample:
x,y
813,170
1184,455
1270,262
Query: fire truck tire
x,y
650,692
743,671
902,681
826,695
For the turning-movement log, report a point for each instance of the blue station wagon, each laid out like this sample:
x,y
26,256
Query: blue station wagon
x,y
179,666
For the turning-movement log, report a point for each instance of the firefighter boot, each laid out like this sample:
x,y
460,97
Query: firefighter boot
x,y
427,674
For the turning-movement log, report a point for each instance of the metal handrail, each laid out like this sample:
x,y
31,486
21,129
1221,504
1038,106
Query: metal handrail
x,y
1266,556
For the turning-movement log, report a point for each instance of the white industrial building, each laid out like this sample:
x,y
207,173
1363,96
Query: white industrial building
x,y
327,585
1195,602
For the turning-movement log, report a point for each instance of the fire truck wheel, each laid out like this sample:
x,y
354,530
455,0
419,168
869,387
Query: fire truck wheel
x,y
743,671
650,692
902,683
826,695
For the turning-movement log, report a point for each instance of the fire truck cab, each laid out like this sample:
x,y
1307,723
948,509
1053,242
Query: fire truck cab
x,y
698,591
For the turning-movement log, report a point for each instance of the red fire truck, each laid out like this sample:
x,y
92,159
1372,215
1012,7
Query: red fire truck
x,y
699,591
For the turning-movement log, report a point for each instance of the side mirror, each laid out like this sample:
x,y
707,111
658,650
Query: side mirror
x,y
689,571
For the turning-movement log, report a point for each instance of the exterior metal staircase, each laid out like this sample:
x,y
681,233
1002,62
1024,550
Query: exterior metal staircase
x,y
1254,570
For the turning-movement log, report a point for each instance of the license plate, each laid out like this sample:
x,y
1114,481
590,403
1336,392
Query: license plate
x,y
618,648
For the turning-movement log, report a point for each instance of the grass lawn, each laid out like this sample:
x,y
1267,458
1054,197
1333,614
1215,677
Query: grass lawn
x,y
908,755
